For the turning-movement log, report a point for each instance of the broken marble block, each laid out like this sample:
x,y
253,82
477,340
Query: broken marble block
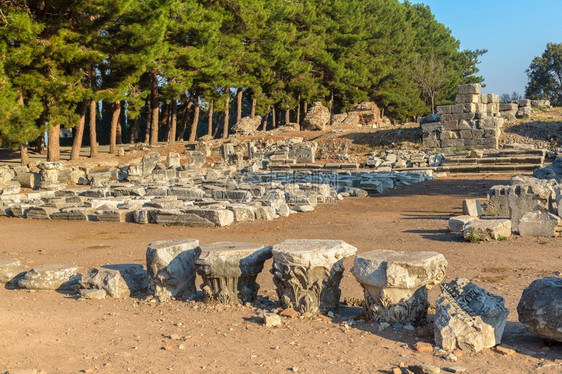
x,y
395,283
487,230
171,268
49,175
540,308
51,277
11,269
229,271
539,224
118,281
458,223
307,273
468,317
471,207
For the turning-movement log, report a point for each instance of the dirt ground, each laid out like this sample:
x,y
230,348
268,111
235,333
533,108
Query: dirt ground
x,y
58,333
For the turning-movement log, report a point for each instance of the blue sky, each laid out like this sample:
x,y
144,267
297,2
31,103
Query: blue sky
x,y
513,32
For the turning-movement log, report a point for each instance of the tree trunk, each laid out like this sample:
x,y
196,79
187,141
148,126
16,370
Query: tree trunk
x,y
216,128
40,144
226,117
299,110
93,133
185,119
273,119
77,142
173,121
24,155
116,112
210,119
432,103
155,104
305,109
135,130
264,125
148,120
239,105
287,116
254,104
195,123
331,107
53,148
165,121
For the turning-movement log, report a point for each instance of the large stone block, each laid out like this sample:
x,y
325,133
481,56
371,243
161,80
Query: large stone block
x,y
51,277
487,230
11,269
395,283
524,198
471,207
540,224
118,281
247,125
540,308
458,223
317,118
475,88
468,317
171,268
307,273
229,270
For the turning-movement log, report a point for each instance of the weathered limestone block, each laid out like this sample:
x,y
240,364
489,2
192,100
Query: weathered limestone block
x,y
317,118
196,160
49,175
487,230
149,162
173,160
229,271
171,268
247,125
369,113
193,217
75,214
10,188
51,277
468,317
118,281
458,223
497,205
307,273
242,212
232,195
540,308
470,89
114,215
265,213
395,283
524,198
553,171
41,212
10,269
471,207
304,153
540,224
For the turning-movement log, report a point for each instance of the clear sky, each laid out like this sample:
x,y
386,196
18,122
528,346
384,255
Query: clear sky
x,y
513,32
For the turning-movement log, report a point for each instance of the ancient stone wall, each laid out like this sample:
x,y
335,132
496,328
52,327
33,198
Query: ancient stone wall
x,y
474,122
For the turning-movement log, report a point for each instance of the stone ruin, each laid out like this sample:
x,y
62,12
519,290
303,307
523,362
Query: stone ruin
x,y
521,108
474,122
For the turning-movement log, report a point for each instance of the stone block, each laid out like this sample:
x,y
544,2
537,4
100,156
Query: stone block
x,y
229,271
395,283
468,317
51,277
540,308
470,89
458,223
11,270
524,198
468,99
540,224
171,268
118,281
471,207
487,230
307,273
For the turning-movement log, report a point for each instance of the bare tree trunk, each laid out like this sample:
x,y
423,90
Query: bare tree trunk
x,y
273,119
254,104
432,103
226,117
77,142
195,123
185,120
135,130
40,144
24,155
148,120
173,121
53,148
93,133
165,120
264,128
210,119
216,128
299,110
239,105
155,109
331,106
116,112
305,109
287,116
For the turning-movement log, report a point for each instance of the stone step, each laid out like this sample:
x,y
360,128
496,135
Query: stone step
x,y
487,168
495,160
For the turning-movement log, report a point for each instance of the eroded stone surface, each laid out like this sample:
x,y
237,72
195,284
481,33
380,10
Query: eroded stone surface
x,y
171,267
395,283
540,308
118,281
540,224
307,273
487,230
10,268
51,277
468,317
229,270
458,223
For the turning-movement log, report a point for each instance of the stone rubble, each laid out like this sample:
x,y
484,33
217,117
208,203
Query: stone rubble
x,y
51,277
118,281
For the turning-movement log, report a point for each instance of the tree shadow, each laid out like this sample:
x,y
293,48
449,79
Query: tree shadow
x,y
438,235
517,337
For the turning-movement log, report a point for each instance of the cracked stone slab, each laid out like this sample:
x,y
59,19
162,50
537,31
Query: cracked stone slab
x,y
51,277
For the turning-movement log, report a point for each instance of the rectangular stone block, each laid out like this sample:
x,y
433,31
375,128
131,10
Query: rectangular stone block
x,y
430,127
466,116
470,107
443,109
457,108
512,107
468,98
470,88
452,143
